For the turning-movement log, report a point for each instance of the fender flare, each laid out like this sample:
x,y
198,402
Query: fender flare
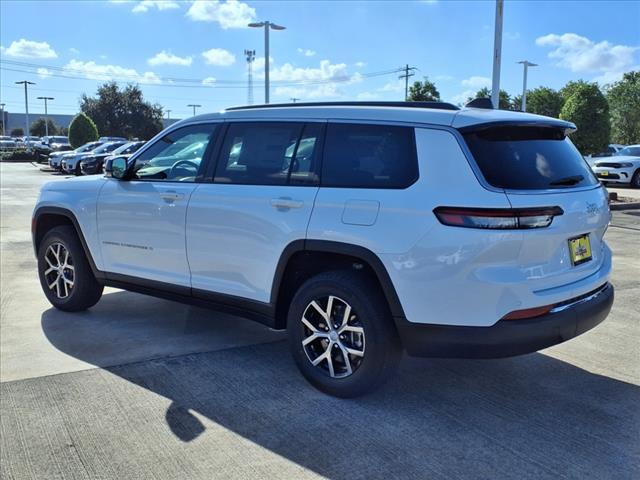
x,y
340,248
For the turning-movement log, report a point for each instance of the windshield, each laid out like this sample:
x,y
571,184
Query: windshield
x,y
528,158
107,147
87,147
127,148
629,151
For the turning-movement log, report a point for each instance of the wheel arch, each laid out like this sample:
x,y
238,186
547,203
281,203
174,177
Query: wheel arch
x,y
46,218
302,259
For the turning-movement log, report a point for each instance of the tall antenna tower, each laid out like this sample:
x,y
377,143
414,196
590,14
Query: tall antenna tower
x,y
251,56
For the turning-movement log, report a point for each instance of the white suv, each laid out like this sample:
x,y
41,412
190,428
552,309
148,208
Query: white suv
x,y
361,229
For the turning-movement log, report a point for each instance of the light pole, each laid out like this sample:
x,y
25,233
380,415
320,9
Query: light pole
x,y
168,114
526,64
26,107
46,115
294,99
2,110
497,55
266,25
194,108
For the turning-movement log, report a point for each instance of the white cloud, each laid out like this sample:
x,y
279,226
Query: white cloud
x,y
94,71
74,51
228,14
168,58
579,54
145,5
367,96
462,97
219,57
306,52
209,81
29,49
393,86
360,64
476,82
43,72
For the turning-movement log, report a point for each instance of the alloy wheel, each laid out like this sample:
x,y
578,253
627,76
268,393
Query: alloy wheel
x,y
60,272
334,339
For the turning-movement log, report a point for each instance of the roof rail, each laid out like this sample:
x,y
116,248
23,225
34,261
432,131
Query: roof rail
x,y
434,105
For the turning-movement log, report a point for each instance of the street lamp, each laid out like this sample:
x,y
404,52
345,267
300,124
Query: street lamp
x,y
46,116
194,108
497,55
26,107
2,110
266,25
526,64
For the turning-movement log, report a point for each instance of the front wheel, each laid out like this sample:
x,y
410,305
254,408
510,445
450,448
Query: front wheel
x,y
65,274
341,334
635,180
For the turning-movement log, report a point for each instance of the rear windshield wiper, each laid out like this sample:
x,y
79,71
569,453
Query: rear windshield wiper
x,y
567,180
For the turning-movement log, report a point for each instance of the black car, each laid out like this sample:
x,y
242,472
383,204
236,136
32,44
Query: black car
x,y
93,164
50,144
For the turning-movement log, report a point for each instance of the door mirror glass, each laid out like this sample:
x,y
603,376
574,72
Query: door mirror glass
x,y
118,168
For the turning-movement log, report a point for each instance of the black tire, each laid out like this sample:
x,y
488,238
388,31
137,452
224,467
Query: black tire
x,y
85,291
380,346
635,180
78,171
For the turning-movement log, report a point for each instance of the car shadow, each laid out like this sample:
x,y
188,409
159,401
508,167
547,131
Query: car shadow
x,y
526,417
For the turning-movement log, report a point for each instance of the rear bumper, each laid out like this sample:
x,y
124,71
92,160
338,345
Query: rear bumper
x,y
508,337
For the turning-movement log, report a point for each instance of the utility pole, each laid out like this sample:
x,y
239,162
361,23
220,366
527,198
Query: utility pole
x,y
267,26
46,114
526,64
194,108
251,56
26,107
408,72
497,55
2,110
294,99
168,114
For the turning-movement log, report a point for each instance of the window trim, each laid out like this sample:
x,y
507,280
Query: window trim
x,y
355,122
204,164
213,166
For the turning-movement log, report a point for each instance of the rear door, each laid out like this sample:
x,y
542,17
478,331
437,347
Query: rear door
x,y
259,200
540,167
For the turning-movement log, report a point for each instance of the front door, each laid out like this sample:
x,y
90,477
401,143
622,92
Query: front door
x,y
141,221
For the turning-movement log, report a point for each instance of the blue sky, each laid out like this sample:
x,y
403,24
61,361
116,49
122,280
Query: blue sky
x,y
192,52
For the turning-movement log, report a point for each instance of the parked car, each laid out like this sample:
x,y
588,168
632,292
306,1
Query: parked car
x,y
50,144
71,163
611,150
112,139
357,229
7,144
93,162
30,140
623,167
55,158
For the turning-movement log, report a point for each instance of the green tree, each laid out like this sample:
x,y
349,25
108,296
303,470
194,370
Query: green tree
x,y
38,129
17,132
571,87
624,106
544,101
424,91
123,112
504,102
82,130
587,107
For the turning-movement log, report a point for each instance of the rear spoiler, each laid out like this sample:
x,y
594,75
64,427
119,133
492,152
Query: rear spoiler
x,y
566,127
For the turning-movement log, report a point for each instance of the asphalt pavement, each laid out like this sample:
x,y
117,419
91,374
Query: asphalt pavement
x,y
141,388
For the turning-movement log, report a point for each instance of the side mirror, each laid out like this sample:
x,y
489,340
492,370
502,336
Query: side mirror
x,y
118,168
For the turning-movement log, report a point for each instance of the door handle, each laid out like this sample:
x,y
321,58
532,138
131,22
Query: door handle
x,y
172,196
286,202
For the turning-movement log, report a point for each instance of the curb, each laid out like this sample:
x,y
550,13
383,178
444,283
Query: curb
x,y
624,206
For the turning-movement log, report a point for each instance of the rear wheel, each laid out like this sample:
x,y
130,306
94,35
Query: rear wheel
x,y
65,274
341,334
635,180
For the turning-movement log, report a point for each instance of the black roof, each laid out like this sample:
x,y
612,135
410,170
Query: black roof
x,y
432,105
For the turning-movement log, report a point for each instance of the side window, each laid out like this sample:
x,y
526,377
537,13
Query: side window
x,y
269,153
175,157
369,156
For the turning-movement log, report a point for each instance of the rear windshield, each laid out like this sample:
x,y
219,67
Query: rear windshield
x,y
528,158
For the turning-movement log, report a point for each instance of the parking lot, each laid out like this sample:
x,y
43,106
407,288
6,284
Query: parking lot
x,y
139,388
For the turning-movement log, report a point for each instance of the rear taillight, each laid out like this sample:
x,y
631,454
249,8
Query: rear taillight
x,y
497,218
528,313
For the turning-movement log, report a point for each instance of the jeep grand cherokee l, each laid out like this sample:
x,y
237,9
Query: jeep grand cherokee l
x,y
361,229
